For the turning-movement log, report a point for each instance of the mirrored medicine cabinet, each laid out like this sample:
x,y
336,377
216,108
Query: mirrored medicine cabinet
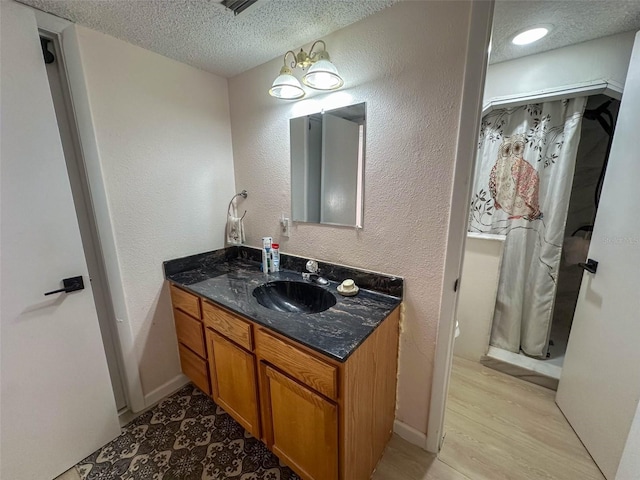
x,y
327,166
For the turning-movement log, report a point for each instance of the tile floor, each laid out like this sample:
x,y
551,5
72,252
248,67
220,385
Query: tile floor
x,y
497,428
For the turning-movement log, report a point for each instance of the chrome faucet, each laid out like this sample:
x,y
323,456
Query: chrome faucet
x,y
312,275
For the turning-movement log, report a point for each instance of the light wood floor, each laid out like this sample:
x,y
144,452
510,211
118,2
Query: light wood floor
x,y
497,427
500,427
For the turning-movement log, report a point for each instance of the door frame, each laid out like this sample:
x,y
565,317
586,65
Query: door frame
x,y
88,229
456,241
70,51
476,63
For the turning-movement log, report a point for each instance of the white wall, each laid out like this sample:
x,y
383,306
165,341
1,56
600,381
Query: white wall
x,y
478,290
412,128
605,58
162,150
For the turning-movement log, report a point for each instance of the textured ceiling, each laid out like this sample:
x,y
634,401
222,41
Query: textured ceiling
x,y
204,34
573,21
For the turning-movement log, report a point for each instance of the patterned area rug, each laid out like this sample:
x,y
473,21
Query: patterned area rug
x,y
185,437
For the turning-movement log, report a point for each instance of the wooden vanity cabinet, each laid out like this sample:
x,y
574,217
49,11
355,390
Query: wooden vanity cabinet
x,y
190,333
234,381
325,419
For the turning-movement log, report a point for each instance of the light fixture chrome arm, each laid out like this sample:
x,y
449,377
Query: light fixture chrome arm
x,y
293,62
312,53
304,60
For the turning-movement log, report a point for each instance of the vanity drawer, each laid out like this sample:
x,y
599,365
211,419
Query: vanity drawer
x,y
190,332
301,365
228,324
195,368
185,301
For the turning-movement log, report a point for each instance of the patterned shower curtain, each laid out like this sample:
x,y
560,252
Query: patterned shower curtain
x,y
524,172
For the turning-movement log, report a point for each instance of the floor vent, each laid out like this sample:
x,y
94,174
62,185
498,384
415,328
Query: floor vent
x,y
238,6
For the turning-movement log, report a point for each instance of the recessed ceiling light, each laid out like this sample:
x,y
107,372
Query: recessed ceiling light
x,y
530,36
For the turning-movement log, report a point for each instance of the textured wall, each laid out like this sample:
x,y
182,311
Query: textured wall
x,y
407,64
164,140
605,58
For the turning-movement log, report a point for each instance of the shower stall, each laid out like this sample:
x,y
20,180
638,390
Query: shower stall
x,y
539,173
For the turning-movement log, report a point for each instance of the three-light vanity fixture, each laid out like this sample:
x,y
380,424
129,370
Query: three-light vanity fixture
x,y
322,74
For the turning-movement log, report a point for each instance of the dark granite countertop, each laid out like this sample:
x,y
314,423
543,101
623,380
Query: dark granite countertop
x,y
228,279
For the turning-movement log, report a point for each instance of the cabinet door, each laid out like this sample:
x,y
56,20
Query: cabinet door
x,y
302,427
234,381
195,368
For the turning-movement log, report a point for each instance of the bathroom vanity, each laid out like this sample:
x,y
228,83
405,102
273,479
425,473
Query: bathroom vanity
x,y
318,389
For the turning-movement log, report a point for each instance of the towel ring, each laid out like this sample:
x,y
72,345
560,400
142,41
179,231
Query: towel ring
x,y
242,194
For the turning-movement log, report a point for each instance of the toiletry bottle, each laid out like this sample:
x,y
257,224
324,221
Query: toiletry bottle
x,y
266,247
269,265
275,257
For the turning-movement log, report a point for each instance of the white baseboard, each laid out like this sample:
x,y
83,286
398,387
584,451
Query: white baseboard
x,y
410,434
173,385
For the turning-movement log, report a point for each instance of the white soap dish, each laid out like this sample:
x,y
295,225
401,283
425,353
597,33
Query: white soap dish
x,y
348,288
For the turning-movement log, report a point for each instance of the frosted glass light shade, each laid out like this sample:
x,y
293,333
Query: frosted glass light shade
x,y
323,75
286,86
